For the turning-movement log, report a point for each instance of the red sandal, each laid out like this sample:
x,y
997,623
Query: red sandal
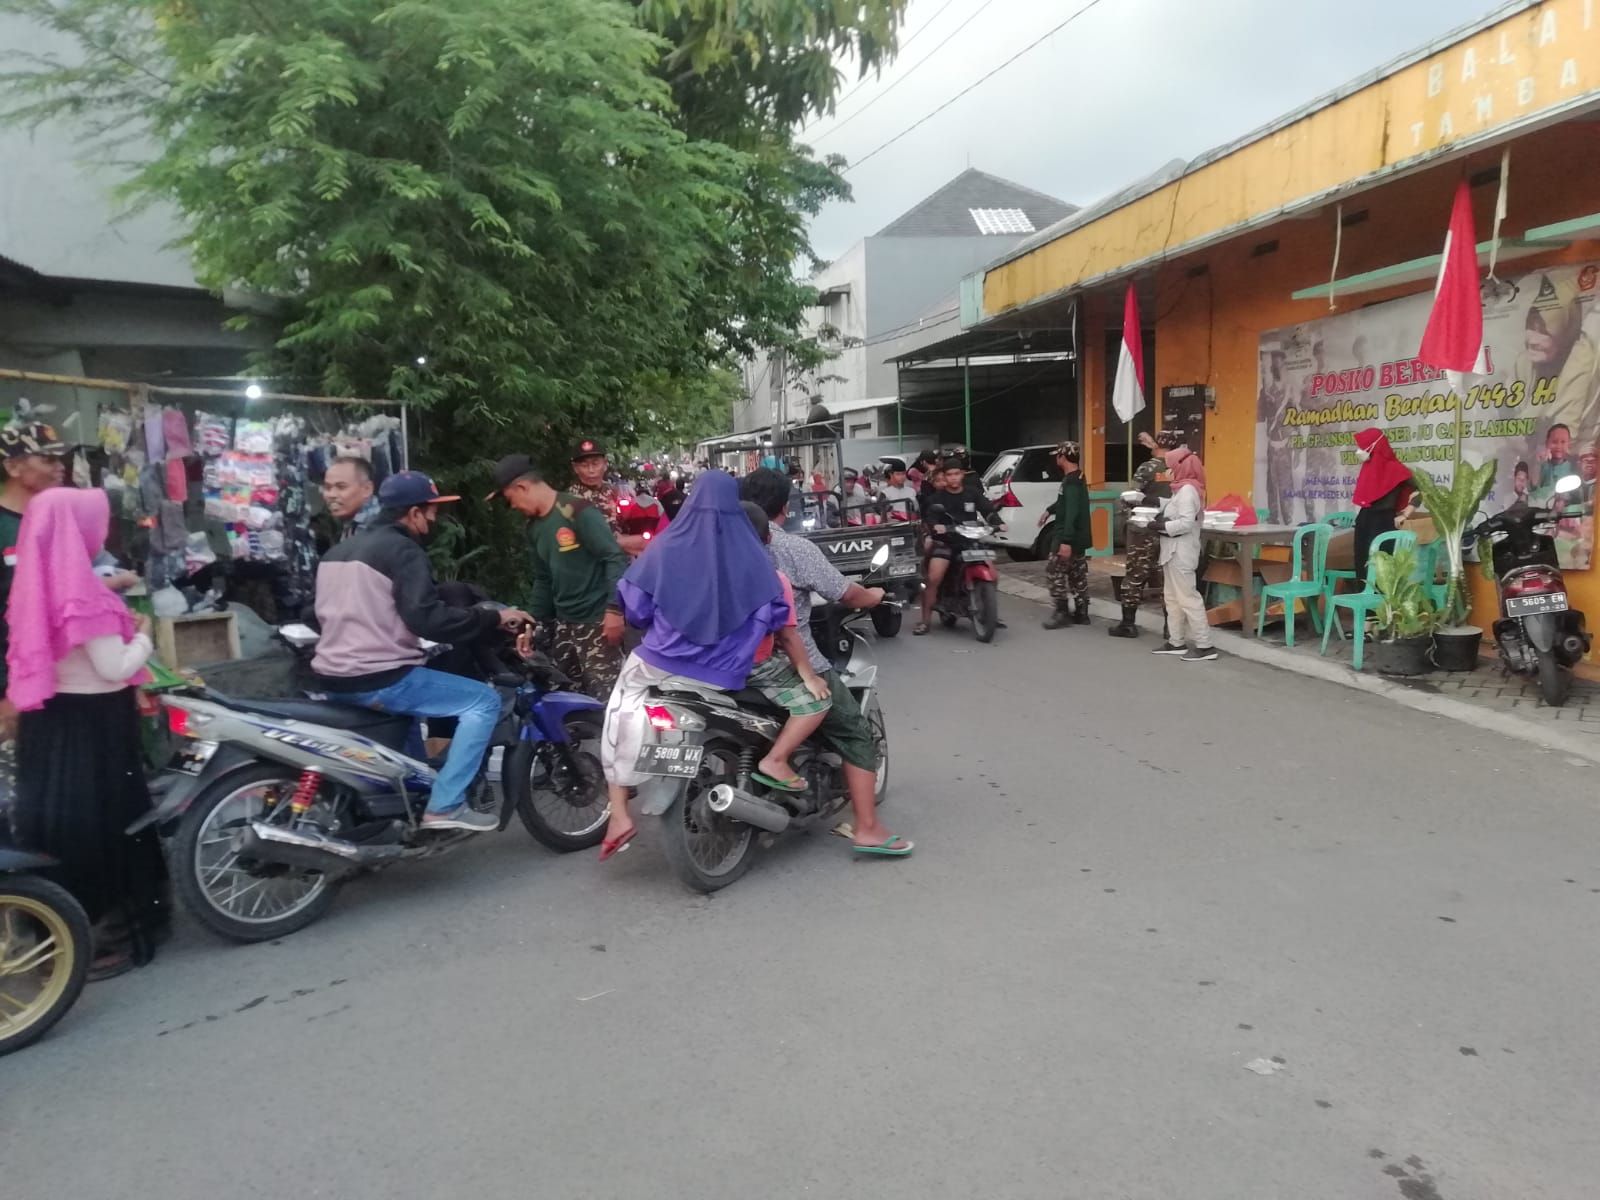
x,y
608,848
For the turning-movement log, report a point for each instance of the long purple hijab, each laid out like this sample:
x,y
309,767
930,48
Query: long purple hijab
x,y
708,574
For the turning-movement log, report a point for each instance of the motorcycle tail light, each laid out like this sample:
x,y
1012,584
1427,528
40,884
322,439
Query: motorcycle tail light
x,y
178,721
660,717
1009,500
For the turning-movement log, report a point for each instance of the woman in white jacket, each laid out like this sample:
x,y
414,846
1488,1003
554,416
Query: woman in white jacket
x,y
1179,526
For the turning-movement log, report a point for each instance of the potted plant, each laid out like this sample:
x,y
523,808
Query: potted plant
x,y
1452,509
1405,618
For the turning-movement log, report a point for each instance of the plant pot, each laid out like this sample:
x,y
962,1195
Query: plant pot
x,y
1404,656
1456,649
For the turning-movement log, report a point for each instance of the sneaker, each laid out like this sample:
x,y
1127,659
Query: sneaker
x,y
1201,654
461,817
1168,648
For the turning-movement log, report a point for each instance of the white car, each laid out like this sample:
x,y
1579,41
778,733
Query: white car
x,y
1021,484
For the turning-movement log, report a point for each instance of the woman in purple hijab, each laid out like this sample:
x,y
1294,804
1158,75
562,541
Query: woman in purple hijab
x,y
706,595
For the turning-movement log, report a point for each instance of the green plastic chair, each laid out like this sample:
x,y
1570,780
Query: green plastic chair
x,y
1363,603
1341,520
1306,582
1428,572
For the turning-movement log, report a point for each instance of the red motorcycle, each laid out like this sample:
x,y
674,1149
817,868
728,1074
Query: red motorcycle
x,y
971,588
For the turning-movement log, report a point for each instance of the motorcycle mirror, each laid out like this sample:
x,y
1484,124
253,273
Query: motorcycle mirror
x,y
881,558
1568,483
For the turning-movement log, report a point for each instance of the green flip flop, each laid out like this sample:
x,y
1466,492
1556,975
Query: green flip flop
x,y
886,848
793,784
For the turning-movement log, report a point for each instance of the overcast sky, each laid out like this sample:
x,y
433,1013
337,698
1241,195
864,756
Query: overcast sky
x,y
1127,87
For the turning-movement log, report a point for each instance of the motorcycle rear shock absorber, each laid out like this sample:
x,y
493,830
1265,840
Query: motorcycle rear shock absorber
x,y
305,792
747,765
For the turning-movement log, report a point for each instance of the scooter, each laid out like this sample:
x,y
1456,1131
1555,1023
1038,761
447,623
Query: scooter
x,y
1539,634
705,744
276,803
44,950
972,592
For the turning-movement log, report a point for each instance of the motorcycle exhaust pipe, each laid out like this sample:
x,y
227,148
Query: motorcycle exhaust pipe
x,y
729,801
310,852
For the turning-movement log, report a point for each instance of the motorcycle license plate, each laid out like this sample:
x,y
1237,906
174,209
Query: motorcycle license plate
x,y
977,556
1534,606
680,761
191,757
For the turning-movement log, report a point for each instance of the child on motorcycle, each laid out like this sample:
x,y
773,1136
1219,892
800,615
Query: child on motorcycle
x,y
792,685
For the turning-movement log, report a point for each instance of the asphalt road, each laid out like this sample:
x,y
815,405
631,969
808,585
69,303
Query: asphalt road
x,y
1133,877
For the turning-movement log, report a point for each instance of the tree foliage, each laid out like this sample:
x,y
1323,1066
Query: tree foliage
x,y
576,211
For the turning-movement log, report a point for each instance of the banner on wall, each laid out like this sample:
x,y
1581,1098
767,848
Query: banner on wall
x,y
1537,412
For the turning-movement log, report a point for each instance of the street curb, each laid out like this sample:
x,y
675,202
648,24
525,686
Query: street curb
x,y
1252,650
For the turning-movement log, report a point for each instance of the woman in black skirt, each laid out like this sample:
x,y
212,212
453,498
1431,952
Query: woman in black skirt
x,y
75,656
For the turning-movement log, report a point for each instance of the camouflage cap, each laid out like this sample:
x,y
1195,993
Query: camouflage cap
x,y
1069,451
1168,439
19,441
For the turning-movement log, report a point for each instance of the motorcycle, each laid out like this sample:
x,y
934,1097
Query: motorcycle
x,y
1539,634
44,950
271,806
972,592
705,747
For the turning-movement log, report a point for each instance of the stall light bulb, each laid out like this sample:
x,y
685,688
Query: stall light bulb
x,y
253,392
422,360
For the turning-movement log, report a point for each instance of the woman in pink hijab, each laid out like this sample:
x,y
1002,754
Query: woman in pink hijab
x,y
75,656
1179,526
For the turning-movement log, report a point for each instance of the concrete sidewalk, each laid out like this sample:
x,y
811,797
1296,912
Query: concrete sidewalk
x,y
1487,698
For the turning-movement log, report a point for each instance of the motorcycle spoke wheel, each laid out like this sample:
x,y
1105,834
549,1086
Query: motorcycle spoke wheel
x,y
574,800
239,889
716,845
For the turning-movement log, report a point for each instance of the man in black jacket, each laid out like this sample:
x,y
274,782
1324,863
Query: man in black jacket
x,y
376,603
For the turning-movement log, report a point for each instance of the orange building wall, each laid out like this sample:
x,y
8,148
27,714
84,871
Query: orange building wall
x,y
1207,328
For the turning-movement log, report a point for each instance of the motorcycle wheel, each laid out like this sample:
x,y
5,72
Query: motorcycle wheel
x,y
707,851
880,740
44,957
1555,681
985,610
565,814
235,901
886,620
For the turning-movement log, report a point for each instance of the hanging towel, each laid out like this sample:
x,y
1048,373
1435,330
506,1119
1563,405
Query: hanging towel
x,y
155,438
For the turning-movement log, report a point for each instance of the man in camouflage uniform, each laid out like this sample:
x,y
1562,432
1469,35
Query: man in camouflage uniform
x,y
576,564
590,466
1071,539
1143,545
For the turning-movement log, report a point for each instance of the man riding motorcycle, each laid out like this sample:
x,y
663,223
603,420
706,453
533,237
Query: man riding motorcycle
x,y
951,503
376,603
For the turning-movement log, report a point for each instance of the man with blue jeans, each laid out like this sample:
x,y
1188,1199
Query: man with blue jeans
x,y
377,602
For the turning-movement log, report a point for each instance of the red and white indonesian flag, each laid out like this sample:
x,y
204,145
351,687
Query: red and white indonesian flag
x,y
1453,340
1127,396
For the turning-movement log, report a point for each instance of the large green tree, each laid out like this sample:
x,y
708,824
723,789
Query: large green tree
x,y
577,212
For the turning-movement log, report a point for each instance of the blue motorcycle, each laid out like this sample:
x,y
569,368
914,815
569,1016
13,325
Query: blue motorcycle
x,y
271,805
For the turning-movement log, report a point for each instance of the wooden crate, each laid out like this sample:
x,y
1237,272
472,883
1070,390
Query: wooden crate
x,y
196,638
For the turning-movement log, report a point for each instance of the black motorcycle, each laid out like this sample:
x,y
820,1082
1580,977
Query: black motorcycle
x,y
44,950
1539,633
705,747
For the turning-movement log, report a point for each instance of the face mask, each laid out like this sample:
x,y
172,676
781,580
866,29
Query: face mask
x,y
1363,455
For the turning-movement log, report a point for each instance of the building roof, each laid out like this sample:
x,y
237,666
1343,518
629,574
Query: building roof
x,y
977,204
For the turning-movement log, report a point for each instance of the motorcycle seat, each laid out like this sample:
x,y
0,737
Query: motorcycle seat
x,y
749,698
328,713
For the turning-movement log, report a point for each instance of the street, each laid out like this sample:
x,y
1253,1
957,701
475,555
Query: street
x,y
1132,878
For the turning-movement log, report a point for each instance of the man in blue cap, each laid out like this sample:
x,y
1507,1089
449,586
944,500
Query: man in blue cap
x,y
377,602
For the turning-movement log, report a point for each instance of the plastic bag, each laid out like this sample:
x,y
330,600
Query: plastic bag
x,y
1235,503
